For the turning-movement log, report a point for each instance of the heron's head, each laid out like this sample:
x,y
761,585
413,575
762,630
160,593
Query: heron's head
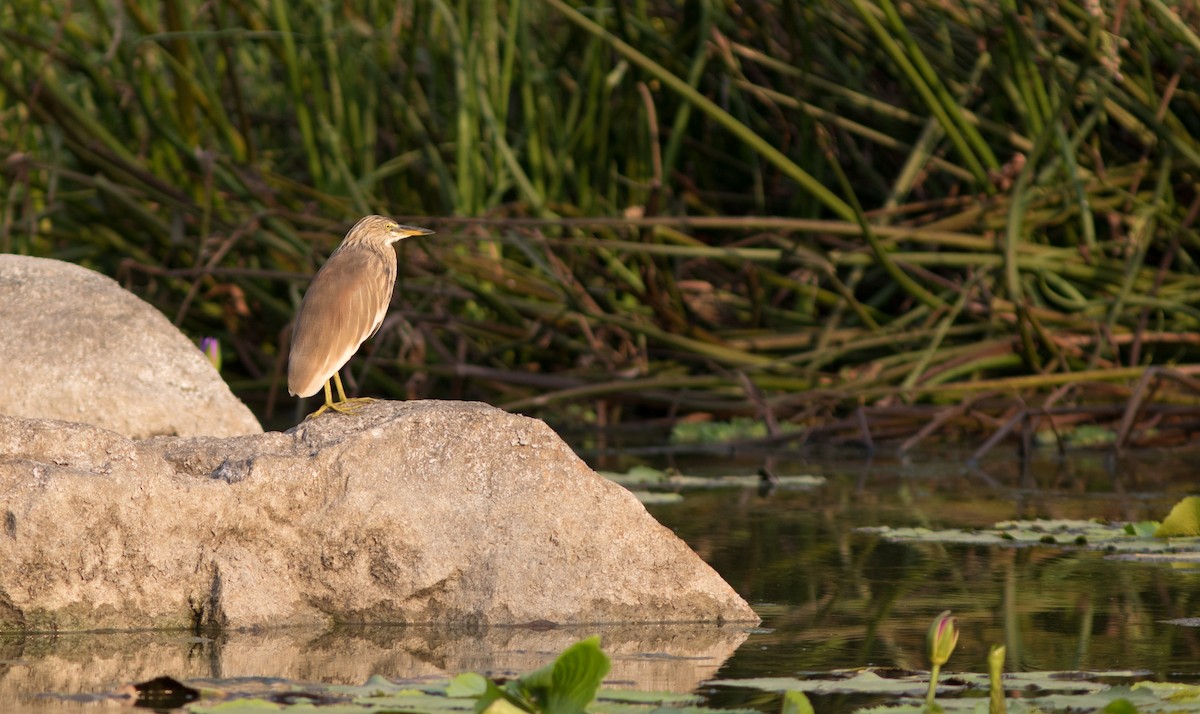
x,y
382,228
397,231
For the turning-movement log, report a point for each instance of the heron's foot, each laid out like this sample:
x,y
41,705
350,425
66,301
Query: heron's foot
x,y
345,406
351,405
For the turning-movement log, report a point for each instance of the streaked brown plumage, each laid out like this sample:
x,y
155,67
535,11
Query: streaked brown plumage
x,y
344,305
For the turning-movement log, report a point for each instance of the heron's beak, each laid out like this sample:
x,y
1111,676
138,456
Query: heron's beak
x,y
409,231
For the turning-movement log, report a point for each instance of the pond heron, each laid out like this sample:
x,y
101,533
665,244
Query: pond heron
x,y
344,305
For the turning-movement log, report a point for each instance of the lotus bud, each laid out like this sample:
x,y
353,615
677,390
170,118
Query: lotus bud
x,y
995,661
211,347
943,636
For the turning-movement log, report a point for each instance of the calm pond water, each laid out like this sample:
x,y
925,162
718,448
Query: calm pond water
x,y
833,597
829,596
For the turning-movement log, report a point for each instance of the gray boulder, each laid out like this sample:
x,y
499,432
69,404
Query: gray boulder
x,y
76,346
413,512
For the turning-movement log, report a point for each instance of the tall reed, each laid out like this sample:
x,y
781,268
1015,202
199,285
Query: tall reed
x,y
696,206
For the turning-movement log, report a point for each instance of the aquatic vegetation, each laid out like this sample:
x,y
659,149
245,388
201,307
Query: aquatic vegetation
x,y
211,347
568,685
995,663
943,636
1067,691
1114,538
1175,538
572,684
1182,521
880,219
652,486
648,477
716,432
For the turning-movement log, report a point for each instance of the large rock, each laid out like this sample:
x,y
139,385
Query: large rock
x,y
414,512
76,346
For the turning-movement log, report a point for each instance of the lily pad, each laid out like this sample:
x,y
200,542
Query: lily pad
x,y
626,708
378,686
961,693
905,683
656,498
1142,528
634,696
646,477
1093,535
1144,701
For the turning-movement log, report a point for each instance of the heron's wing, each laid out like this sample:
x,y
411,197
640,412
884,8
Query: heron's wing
x,y
344,305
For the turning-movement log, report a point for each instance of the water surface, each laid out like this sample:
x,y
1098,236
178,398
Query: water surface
x,y
833,597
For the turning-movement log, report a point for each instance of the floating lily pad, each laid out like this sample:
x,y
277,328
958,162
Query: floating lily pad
x,y
1142,528
380,695
843,682
901,683
259,706
646,477
377,686
633,696
1094,535
240,706
1143,701
1110,692
961,693
627,708
656,498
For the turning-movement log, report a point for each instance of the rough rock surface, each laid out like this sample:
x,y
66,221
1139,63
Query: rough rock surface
x,y
76,346
414,512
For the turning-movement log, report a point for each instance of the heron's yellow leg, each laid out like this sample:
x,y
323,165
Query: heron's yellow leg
x,y
344,404
328,403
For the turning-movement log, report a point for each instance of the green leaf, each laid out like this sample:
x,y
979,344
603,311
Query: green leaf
x,y
797,703
531,683
576,677
510,693
1183,521
467,685
1141,529
565,686
503,706
1120,706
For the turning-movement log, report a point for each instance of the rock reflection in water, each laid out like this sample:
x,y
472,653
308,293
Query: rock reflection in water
x,y
87,666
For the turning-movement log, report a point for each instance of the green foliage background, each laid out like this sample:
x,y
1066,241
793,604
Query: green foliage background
x,y
724,206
